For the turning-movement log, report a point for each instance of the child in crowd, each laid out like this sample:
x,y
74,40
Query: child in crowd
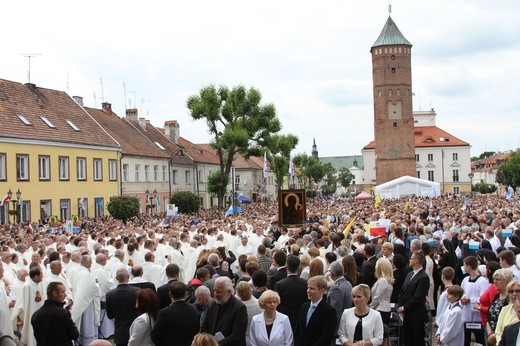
x,y
447,276
451,325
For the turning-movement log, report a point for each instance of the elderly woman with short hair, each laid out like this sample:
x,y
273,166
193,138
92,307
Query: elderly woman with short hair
x,y
501,278
270,327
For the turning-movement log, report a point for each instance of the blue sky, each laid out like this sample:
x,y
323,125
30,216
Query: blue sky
x,y
311,59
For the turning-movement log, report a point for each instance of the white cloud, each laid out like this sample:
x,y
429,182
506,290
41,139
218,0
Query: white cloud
x,y
310,59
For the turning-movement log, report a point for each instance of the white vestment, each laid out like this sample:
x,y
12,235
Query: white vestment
x,y
5,314
31,300
154,273
106,283
86,307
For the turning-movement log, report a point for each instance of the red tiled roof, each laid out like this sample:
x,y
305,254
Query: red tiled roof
x,y
239,162
32,102
430,136
131,140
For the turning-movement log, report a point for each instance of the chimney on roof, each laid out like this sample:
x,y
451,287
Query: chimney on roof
x,y
131,114
106,107
30,85
142,123
172,131
79,100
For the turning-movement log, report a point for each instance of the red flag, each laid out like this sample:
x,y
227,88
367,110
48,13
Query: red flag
x,y
4,200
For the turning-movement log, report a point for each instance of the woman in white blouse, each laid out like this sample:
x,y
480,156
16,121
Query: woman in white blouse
x,y
147,305
382,289
270,327
361,325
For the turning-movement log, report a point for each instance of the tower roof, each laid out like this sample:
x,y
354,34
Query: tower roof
x,y
390,35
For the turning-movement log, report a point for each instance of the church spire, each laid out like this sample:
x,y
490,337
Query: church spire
x,y
314,148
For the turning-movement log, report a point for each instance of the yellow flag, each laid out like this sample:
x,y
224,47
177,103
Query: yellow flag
x,y
378,200
349,226
406,206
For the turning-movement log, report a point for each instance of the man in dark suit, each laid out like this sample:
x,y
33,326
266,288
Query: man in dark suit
x,y
178,322
340,293
368,269
412,300
214,261
226,316
163,292
317,319
279,258
52,324
121,307
292,291
138,281
511,335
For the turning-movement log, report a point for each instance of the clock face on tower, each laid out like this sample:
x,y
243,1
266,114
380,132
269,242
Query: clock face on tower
x,y
395,110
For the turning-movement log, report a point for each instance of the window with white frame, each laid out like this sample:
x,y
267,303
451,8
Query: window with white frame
x,y
237,182
430,157
416,157
98,169
455,156
155,173
431,176
63,162
22,167
3,168
456,190
146,173
419,174
137,172
174,177
187,176
455,175
81,167
164,173
82,207
125,172
112,170
44,171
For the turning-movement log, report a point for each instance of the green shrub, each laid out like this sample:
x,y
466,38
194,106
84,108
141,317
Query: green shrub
x,y
123,207
186,201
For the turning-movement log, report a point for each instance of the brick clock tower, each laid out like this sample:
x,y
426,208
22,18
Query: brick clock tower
x,y
393,113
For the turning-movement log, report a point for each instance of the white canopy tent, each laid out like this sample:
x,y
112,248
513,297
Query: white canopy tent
x,y
407,186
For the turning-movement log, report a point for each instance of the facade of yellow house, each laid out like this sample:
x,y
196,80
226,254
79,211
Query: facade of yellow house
x,y
55,159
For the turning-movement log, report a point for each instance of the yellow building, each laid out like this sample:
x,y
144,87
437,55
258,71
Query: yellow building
x,y
55,154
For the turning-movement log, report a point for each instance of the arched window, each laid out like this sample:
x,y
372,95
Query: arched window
x,y
394,124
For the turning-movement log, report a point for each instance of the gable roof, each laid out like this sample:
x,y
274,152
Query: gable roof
x,y
239,162
131,140
33,103
430,136
339,162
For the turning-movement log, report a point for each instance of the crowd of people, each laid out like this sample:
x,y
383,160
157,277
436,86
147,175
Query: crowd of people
x,y
209,279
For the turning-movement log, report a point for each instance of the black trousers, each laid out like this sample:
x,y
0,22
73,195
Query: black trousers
x,y
414,333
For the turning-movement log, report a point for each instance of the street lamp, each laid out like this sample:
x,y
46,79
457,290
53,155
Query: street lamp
x,y
147,192
15,211
154,200
471,175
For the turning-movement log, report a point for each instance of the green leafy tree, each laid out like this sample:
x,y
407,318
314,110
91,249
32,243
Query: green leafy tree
x,y
486,154
237,123
280,147
123,207
509,172
345,177
483,188
186,201
312,169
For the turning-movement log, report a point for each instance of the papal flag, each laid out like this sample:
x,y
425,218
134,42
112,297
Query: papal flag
x,y
378,200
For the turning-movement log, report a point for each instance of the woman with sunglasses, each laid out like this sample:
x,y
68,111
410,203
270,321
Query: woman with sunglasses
x,y
507,315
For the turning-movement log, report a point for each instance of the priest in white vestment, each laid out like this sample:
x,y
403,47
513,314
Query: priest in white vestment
x,y
30,301
106,283
5,314
153,272
85,310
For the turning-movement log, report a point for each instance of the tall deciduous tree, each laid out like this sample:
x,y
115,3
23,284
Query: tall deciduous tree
x,y
280,147
509,172
237,122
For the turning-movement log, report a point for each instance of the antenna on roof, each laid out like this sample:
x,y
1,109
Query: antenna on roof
x,y
143,101
129,100
389,8
102,91
124,89
29,56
